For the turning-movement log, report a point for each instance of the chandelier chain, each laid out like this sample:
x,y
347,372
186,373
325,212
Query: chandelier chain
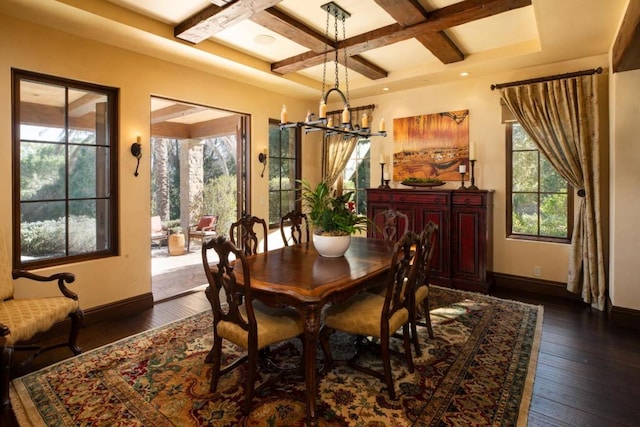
x,y
335,26
326,50
346,70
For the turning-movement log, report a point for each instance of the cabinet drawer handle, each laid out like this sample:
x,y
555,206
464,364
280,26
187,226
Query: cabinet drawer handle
x,y
401,199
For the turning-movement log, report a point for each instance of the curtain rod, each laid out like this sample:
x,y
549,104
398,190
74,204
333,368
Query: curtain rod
x,y
549,78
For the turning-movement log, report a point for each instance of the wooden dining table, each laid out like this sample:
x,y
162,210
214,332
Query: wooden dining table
x,y
297,276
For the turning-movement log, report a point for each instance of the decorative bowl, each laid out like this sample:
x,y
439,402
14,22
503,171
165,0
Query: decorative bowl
x,y
422,184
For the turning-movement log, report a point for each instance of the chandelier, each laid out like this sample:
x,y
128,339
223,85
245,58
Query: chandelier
x,y
321,122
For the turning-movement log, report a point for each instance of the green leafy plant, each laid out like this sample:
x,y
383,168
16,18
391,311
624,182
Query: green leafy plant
x,y
329,213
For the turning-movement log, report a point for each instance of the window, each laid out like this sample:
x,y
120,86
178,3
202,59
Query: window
x,y
539,202
284,170
64,170
356,175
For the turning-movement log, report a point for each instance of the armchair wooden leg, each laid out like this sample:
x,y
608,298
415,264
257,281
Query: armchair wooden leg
x,y
77,319
5,377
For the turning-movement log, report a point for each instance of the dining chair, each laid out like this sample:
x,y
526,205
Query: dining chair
x,y
242,233
372,315
420,295
392,223
297,225
241,319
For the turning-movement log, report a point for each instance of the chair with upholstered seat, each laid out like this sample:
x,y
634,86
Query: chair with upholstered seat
x,y
392,223
158,232
240,319
420,296
243,234
22,318
203,230
295,225
369,314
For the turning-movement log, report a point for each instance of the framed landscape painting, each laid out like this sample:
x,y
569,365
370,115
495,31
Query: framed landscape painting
x,y
431,145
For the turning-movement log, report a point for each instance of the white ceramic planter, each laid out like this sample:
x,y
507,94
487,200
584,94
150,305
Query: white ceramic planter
x,y
331,246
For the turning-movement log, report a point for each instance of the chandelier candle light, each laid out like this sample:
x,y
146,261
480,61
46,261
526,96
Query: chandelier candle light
x,y
321,123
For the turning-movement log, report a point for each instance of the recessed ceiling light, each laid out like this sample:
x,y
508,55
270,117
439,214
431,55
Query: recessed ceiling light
x,y
464,74
385,89
264,39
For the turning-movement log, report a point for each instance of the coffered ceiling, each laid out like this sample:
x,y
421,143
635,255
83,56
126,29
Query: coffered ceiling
x,y
394,44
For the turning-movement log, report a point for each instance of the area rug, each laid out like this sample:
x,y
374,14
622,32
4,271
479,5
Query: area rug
x,y
477,371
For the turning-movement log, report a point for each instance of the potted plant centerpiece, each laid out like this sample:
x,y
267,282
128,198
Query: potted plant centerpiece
x,y
333,221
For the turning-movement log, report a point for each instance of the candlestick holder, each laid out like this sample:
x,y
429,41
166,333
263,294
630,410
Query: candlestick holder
x,y
473,178
382,177
462,187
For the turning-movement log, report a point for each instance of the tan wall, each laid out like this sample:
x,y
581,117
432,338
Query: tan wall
x,y
625,201
30,47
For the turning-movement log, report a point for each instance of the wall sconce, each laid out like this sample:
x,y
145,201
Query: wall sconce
x,y
136,151
262,158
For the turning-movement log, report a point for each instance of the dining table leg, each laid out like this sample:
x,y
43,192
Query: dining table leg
x,y
311,315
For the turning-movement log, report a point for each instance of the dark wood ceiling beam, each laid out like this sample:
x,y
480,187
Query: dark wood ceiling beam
x,y
366,68
626,49
279,22
471,10
213,19
287,26
410,12
438,20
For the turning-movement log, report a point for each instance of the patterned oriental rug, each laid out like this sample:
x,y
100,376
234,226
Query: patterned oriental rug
x,y
478,371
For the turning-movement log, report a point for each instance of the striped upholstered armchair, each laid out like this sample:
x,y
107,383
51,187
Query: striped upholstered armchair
x,y
22,318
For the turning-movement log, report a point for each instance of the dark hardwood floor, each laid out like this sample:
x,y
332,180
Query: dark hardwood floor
x,y
588,372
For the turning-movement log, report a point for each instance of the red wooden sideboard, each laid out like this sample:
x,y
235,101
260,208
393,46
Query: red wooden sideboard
x,y
464,252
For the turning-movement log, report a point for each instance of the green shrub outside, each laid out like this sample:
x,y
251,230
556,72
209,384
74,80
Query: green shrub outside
x,y
220,199
42,239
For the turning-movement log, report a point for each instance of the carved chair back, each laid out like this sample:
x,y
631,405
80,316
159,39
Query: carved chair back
x,y
242,233
297,225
